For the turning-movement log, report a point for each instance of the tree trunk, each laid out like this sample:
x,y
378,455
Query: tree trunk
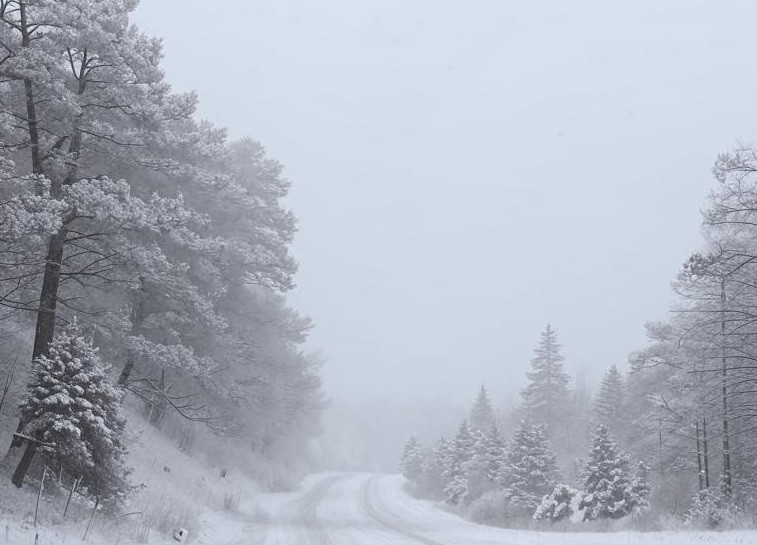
x,y
726,438
31,106
706,456
48,299
32,127
23,465
137,317
699,460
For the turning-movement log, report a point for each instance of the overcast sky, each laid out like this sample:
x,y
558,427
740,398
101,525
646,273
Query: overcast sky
x,y
465,172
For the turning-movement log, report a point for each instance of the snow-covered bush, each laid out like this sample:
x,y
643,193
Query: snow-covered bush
x,y
711,508
73,407
491,507
561,504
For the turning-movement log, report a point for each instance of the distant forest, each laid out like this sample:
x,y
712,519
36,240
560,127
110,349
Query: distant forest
x,y
670,436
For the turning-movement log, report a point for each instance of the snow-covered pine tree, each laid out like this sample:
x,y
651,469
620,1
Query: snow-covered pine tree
x,y
546,397
432,473
73,407
481,414
529,470
411,461
459,453
609,400
612,490
476,469
560,504
495,454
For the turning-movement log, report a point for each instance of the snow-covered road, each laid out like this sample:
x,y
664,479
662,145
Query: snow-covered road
x,y
371,509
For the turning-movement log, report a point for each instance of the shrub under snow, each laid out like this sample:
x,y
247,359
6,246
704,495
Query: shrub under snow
x,y
711,509
561,504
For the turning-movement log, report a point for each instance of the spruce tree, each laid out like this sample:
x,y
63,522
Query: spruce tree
x,y
73,409
546,398
612,490
476,469
459,454
495,454
529,469
433,468
481,414
411,461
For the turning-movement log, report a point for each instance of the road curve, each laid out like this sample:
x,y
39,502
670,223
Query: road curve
x,y
374,509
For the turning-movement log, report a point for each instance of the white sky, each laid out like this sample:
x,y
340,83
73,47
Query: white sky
x,y
465,172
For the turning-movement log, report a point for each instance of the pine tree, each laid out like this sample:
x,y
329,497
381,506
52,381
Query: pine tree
x,y
459,454
560,504
529,470
476,469
546,398
411,461
495,454
433,468
73,408
481,414
608,403
612,490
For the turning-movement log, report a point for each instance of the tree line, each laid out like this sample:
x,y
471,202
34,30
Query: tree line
x,y
144,256
670,438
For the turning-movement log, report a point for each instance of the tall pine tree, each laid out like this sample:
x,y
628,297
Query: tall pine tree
x,y
546,398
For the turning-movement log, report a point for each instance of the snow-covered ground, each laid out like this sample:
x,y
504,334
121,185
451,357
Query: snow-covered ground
x,y
370,509
359,509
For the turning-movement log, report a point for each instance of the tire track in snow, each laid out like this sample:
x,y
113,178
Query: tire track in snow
x,y
307,506
370,507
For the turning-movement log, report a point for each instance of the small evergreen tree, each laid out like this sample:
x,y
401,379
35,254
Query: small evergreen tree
x,y
529,470
457,490
459,454
561,504
611,489
476,469
411,461
495,454
711,508
432,470
481,414
73,407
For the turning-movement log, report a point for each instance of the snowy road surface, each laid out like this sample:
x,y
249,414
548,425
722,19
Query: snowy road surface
x,y
368,509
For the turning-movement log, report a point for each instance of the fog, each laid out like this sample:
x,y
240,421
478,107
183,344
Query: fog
x,y
288,271
466,173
